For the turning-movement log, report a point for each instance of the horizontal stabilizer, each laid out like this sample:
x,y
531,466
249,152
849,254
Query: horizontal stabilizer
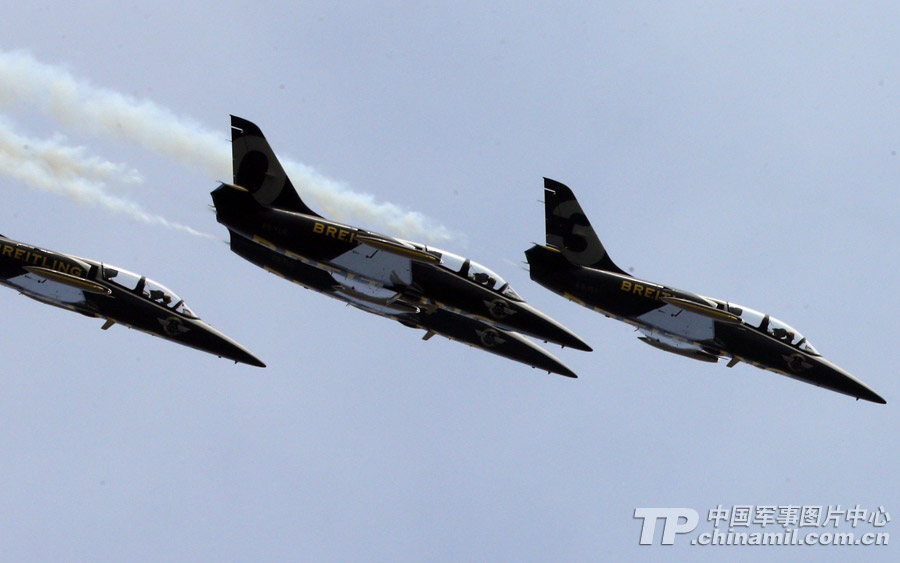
x,y
702,309
68,279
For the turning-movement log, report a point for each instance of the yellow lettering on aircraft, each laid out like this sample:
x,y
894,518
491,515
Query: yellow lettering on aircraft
x,y
33,258
647,291
333,232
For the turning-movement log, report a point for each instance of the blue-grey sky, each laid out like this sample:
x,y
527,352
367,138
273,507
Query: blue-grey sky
x,y
746,152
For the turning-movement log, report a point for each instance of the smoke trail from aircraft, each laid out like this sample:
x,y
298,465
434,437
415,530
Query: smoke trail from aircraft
x,y
75,103
51,166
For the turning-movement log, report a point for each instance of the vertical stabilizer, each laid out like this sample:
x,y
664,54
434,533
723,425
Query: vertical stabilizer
x,y
256,168
570,232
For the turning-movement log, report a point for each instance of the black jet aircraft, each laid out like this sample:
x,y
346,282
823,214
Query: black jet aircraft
x,y
103,291
574,264
417,285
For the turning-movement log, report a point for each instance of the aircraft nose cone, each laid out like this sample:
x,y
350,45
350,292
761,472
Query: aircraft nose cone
x,y
575,342
541,359
565,371
208,339
245,357
874,397
835,378
227,348
541,326
867,394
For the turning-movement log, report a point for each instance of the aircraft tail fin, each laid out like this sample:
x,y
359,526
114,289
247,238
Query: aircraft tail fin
x,y
256,168
570,231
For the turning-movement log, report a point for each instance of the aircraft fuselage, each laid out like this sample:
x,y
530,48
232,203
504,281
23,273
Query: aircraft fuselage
x,y
416,280
271,226
690,324
93,289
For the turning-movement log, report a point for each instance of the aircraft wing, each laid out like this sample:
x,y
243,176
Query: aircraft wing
x,y
399,247
508,344
383,263
48,289
703,309
68,280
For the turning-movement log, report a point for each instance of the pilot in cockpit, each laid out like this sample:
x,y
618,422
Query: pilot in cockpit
x,y
161,296
783,334
484,279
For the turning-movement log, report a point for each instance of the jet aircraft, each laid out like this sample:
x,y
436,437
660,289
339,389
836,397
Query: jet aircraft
x,y
96,289
418,285
574,264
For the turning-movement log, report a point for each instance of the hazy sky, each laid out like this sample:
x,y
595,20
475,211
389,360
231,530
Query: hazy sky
x,y
746,152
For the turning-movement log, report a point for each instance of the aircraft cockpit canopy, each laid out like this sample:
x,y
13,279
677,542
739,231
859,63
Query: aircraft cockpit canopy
x,y
478,274
789,335
774,327
147,288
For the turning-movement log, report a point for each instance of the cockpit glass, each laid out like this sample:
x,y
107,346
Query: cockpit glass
x,y
774,327
483,276
477,273
783,332
166,297
147,288
181,307
749,316
451,261
789,335
509,292
128,280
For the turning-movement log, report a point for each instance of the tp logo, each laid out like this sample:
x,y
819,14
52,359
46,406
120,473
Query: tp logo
x,y
677,521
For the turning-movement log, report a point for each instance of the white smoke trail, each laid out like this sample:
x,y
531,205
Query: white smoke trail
x,y
62,160
73,102
51,166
